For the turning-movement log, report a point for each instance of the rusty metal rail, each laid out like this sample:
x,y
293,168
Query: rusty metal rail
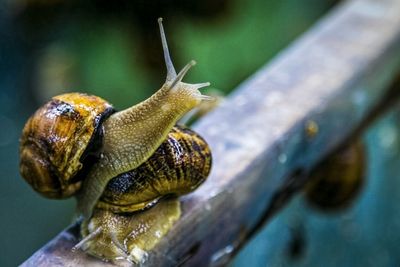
x,y
334,75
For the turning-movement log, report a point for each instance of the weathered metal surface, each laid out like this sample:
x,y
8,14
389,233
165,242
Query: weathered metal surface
x,y
333,75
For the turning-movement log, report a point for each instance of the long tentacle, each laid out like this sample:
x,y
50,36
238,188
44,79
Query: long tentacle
x,y
171,73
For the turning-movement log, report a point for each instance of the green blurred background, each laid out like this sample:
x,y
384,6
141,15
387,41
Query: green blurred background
x,y
112,49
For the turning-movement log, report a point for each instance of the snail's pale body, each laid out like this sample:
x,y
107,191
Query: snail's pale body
x,y
128,237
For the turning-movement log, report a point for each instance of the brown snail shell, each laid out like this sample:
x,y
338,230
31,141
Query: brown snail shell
x,y
58,139
178,166
336,181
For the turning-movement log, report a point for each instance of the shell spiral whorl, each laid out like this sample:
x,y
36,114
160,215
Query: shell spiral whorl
x,y
178,166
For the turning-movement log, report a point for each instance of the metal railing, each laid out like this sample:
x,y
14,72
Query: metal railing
x,y
336,75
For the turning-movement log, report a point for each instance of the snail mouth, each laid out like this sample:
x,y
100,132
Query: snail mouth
x,y
194,90
189,93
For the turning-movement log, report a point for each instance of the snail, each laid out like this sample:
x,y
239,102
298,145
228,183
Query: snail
x,y
178,166
119,164
338,179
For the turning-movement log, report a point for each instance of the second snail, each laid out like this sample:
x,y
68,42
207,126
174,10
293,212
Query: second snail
x,y
336,182
125,168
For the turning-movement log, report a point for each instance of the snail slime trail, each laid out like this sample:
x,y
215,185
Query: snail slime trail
x,y
127,168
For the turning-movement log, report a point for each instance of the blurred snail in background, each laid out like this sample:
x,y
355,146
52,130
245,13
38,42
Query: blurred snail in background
x,y
119,164
337,180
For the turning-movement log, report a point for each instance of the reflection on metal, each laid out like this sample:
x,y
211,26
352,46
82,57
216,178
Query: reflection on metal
x,y
333,75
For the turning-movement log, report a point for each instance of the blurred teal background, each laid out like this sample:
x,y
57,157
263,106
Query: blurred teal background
x,y
112,49
365,234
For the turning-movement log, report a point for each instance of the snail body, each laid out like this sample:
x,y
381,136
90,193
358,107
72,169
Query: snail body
x,y
118,163
121,237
